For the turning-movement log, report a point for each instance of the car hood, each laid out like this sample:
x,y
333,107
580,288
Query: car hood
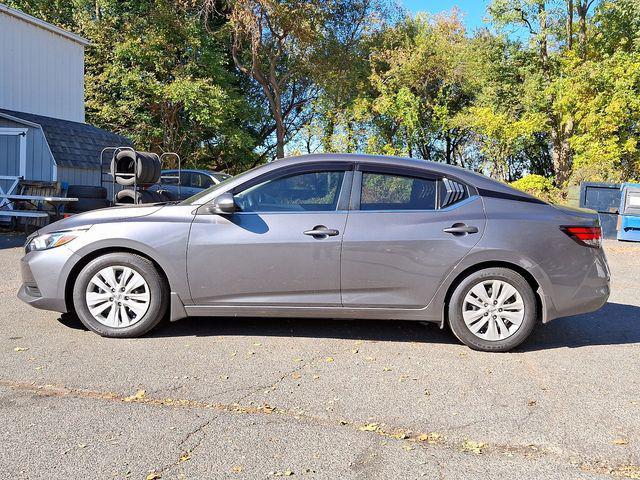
x,y
103,215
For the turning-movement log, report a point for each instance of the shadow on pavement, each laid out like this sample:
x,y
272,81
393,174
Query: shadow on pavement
x,y
614,324
11,239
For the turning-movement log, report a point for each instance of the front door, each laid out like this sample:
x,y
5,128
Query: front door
x,y
281,249
399,243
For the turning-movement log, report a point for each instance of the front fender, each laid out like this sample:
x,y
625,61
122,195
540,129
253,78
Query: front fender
x,y
164,244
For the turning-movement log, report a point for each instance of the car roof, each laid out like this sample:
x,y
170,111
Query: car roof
x,y
476,179
481,182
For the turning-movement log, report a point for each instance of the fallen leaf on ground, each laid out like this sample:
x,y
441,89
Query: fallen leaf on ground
x,y
433,437
329,359
296,376
236,469
288,473
139,395
620,441
370,427
532,403
628,471
257,344
21,349
185,456
473,447
386,369
153,476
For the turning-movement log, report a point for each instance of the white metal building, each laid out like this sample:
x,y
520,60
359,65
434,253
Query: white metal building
x,y
42,131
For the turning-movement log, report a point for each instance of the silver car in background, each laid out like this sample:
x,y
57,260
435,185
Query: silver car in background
x,y
330,235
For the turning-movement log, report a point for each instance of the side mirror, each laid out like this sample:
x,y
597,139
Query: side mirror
x,y
223,204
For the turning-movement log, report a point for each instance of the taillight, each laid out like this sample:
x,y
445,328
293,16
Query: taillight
x,y
587,236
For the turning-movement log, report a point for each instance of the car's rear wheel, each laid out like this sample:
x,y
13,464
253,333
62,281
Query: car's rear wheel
x,y
120,295
493,310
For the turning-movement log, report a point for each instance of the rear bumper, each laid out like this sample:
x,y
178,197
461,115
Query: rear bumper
x,y
592,293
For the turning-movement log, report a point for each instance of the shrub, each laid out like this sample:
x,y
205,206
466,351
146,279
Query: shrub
x,y
538,186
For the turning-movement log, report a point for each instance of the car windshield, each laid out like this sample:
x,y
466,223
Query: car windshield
x,y
195,199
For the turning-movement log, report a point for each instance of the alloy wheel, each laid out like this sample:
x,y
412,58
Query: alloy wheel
x,y
493,310
117,296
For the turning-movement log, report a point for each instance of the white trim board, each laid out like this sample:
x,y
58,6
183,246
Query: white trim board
x,y
22,133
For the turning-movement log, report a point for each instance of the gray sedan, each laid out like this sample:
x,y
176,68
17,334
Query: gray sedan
x,y
336,236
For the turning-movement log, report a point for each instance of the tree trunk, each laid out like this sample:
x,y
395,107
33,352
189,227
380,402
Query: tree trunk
x,y
561,152
570,24
542,40
582,9
448,149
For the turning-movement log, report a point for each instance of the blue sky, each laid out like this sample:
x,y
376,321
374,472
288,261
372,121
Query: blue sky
x,y
473,11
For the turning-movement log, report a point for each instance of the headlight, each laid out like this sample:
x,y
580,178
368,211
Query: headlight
x,y
52,240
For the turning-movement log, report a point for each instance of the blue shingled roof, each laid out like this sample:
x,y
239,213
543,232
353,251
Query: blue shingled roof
x,y
73,144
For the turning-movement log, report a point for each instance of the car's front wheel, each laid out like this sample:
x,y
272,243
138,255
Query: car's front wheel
x,y
493,310
120,295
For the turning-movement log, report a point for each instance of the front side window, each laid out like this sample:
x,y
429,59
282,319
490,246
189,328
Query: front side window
x,y
185,179
381,191
201,180
310,191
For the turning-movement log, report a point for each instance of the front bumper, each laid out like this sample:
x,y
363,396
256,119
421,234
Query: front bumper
x,y
42,278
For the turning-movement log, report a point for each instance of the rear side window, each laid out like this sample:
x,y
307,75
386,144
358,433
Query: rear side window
x,y
381,191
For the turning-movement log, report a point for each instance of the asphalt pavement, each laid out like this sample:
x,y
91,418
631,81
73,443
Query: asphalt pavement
x,y
217,398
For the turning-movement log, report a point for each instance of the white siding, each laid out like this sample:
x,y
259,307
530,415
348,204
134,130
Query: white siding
x,y
41,72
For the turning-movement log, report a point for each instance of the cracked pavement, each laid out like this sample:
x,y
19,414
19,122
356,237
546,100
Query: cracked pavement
x,y
322,399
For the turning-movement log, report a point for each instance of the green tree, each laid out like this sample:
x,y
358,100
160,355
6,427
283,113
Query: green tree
x,y
155,74
289,48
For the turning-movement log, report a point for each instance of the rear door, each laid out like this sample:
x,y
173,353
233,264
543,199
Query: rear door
x,y
406,231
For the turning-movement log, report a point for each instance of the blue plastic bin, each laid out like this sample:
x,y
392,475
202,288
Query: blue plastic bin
x,y
629,225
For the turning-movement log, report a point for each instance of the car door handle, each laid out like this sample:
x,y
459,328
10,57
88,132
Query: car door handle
x,y
460,229
322,231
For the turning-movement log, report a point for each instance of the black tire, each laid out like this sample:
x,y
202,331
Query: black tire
x,y
464,334
139,167
149,168
158,289
86,191
87,204
130,196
